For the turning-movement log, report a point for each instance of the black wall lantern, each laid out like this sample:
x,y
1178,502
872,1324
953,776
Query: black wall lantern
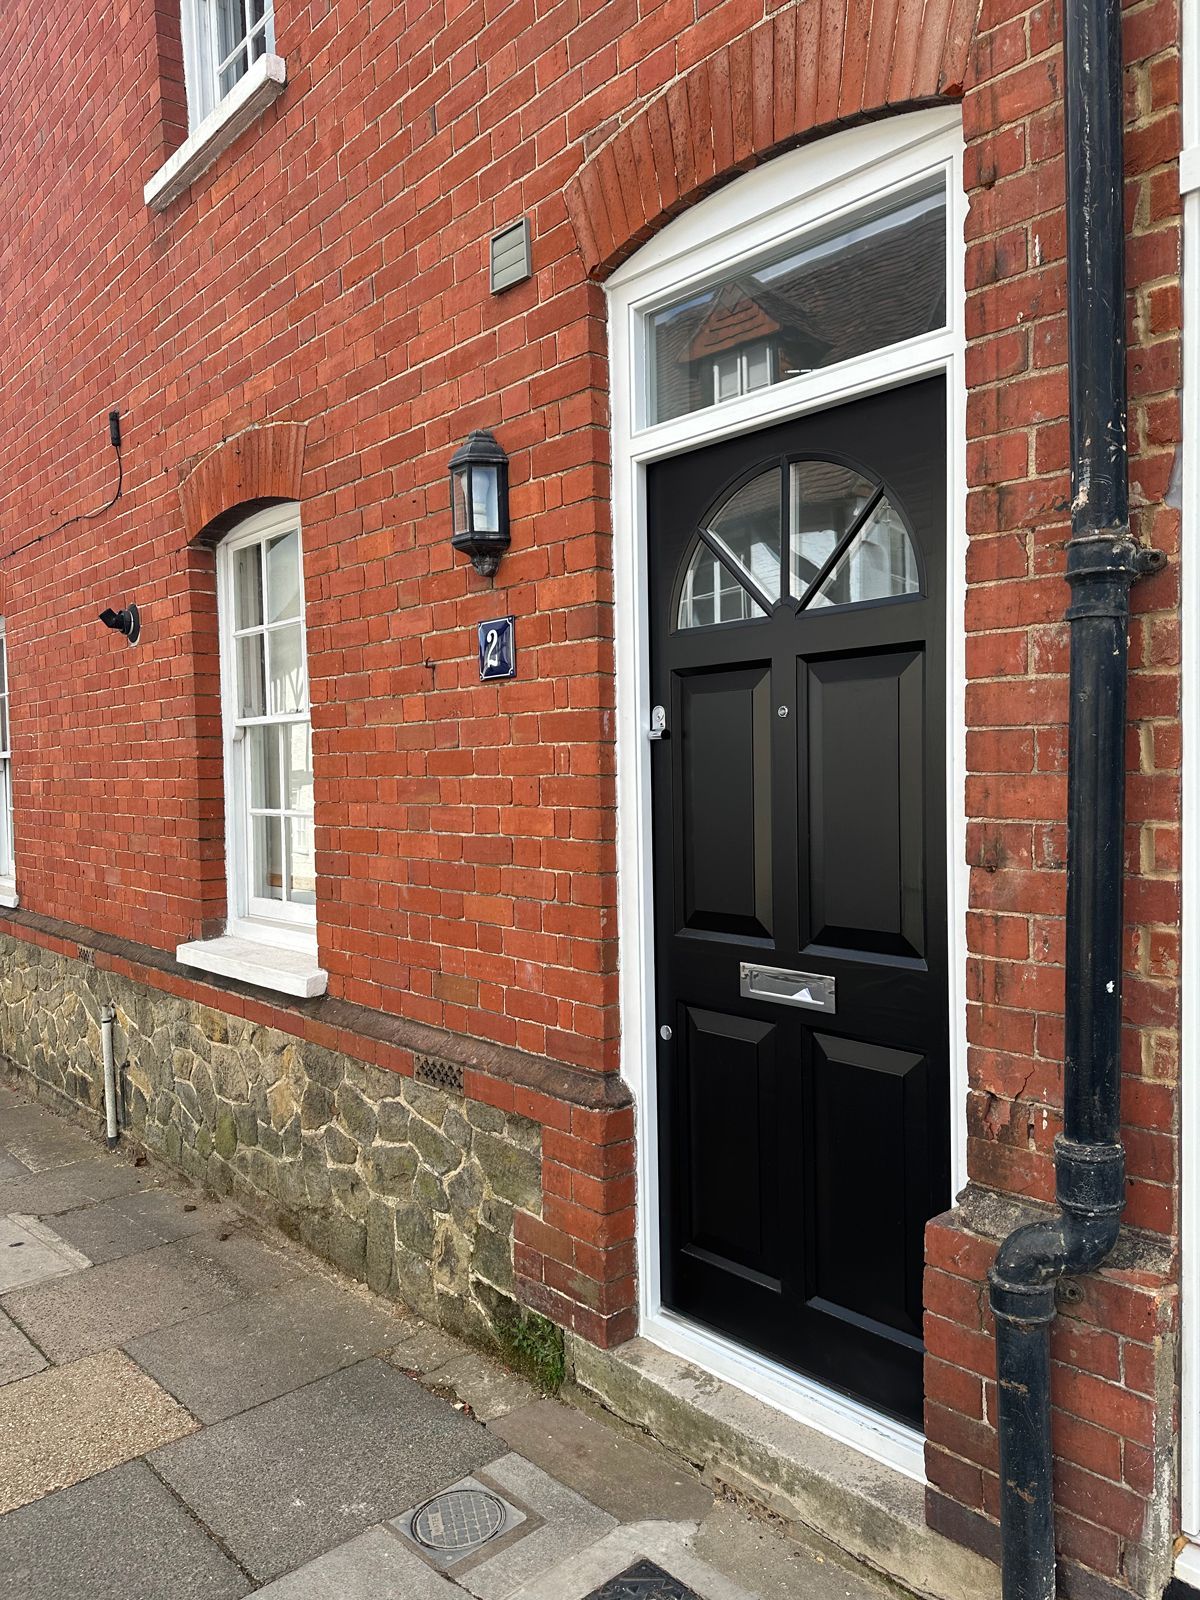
x,y
479,499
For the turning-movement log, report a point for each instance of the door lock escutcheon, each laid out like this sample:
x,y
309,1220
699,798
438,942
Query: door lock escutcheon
x,y
658,724
813,991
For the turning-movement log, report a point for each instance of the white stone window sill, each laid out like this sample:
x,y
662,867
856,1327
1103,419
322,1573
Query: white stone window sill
x,y
248,99
283,968
1189,169
9,898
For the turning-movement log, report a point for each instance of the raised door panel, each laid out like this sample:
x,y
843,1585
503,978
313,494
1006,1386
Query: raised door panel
x,y
865,763
730,1092
724,802
867,1146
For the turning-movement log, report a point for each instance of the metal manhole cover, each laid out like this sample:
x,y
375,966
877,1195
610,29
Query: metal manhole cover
x,y
644,1581
455,1525
458,1521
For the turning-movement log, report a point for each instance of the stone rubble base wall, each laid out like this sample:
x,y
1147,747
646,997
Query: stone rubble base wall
x,y
407,1187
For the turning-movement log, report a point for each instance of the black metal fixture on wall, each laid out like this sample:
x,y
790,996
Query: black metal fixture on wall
x,y
1103,562
479,501
127,621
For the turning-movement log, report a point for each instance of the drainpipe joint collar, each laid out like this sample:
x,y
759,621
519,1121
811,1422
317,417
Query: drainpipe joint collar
x,y
1025,1304
1091,1177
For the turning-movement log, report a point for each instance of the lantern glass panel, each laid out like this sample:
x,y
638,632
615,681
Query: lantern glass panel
x,y
485,499
460,498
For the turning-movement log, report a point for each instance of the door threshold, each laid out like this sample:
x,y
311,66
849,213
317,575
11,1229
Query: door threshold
x,y
850,1422
1187,1571
666,1383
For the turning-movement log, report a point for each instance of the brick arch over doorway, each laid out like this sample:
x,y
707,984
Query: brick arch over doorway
x,y
256,466
806,70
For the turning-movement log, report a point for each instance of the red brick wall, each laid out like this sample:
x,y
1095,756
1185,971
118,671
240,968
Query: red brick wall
x,y
331,270
1113,1348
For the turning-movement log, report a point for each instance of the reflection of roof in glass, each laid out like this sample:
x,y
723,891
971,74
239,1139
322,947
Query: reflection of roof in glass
x,y
820,484
743,311
752,500
875,286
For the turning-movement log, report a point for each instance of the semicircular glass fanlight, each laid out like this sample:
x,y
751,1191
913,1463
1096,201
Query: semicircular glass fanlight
x,y
846,545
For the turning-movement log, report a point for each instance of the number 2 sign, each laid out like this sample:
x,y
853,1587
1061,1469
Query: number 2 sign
x,y
497,648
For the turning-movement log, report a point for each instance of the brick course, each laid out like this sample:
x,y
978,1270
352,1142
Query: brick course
x,y
327,278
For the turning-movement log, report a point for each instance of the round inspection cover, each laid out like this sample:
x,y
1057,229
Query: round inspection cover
x,y
458,1521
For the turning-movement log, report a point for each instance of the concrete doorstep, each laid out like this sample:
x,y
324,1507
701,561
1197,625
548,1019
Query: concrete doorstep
x,y
192,1409
813,1484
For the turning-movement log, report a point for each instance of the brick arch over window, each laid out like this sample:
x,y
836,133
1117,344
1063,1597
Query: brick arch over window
x,y
807,69
263,464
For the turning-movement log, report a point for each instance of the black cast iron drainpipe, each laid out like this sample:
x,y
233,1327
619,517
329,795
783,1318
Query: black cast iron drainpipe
x,y
1103,562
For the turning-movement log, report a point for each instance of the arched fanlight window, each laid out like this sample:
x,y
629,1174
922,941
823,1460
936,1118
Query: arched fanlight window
x,y
846,544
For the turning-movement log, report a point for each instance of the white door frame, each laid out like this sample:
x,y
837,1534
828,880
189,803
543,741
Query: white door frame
x,y
1188,1562
768,205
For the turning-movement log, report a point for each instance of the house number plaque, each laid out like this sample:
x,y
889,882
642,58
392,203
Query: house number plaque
x,y
497,648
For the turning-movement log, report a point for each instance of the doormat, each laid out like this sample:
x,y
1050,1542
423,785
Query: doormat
x,y
643,1581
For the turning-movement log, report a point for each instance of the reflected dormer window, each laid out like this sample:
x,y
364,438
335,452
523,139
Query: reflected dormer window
x,y
873,278
739,372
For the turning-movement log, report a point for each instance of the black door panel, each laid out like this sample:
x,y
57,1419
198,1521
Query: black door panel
x,y
799,822
724,724
866,802
868,1113
729,1079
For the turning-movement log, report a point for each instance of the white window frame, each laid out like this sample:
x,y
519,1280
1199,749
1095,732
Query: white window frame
x,y
250,916
202,68
214,120
272,944
762,209
8,862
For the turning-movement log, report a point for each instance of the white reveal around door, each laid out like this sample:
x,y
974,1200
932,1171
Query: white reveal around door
x,y
763,221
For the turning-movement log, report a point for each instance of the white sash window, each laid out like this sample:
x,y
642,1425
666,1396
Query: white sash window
x,y
222,40
270,936
268,731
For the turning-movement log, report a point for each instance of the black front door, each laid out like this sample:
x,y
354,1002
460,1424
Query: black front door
x,y
798,658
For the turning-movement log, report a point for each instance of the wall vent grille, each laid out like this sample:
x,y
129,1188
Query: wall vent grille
x,y
437,1074
511,256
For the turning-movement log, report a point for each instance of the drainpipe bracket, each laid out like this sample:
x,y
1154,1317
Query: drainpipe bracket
x,y
1150,561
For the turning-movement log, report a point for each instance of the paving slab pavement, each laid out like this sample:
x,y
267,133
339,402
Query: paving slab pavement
x,y
255,1350
295,1477
569,1524
667,1544
193,1407
31,1252
772,1567
131,1223
18,1358
374,1566
39,1140
120,1536
86,1312
47,1194
633,1482
488,1389
70,1423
